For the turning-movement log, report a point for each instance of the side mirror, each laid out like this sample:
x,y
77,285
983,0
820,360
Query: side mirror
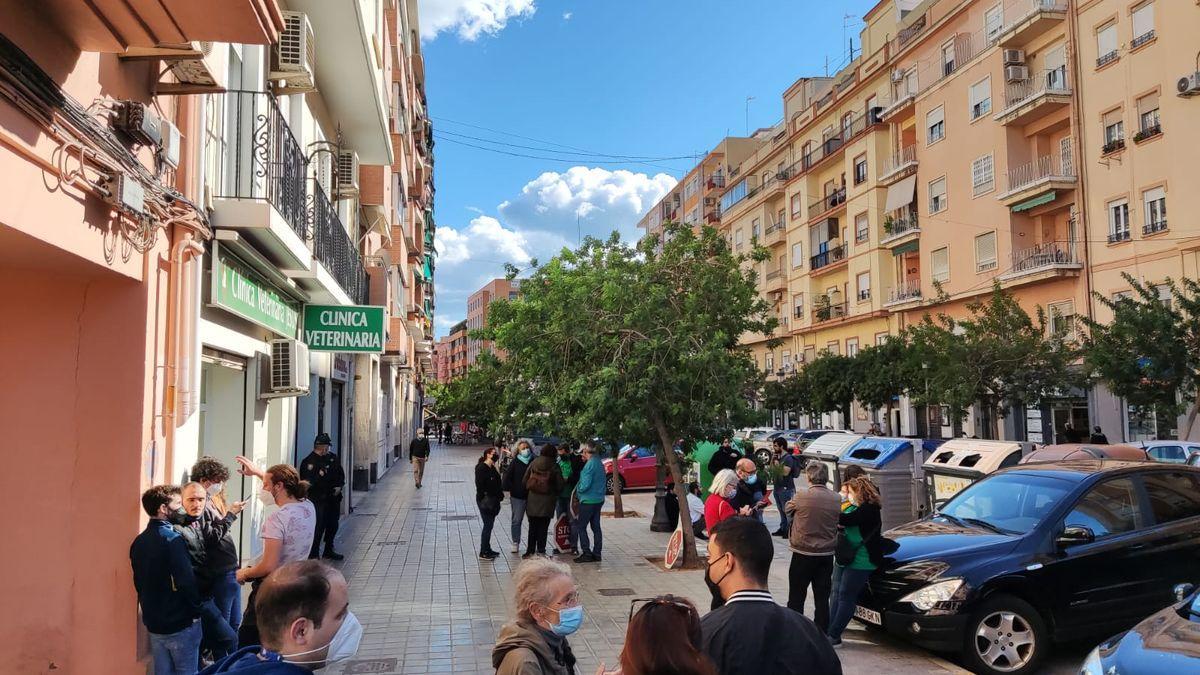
x,y
632,457
1073,535
1182,591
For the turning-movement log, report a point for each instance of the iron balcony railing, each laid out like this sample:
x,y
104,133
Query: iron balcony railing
x,y
1052,81
1142,39
257,157
899,223
1118,236
829,201
827,258
1057,165
899,160
905,291
1155,226
335,250
830,312
1046,254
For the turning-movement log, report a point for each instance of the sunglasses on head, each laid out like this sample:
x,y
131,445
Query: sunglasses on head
x,y
669,600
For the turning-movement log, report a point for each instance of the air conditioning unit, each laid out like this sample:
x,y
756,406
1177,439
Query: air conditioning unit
x,y
171,141
1014,57
294,57
1016,73
347,178
287,369
139,123
1189,85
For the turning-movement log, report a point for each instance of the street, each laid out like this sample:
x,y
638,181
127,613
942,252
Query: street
x,y
430,605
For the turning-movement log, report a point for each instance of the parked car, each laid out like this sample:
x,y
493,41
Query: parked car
x,y
1054,453
1172,452
1039,553
637,468
537,439
1167,642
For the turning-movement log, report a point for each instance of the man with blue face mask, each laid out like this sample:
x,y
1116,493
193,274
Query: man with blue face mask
x,y
750,489
304,620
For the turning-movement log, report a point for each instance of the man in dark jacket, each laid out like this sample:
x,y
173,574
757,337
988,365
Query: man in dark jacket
x,y
323,471
569,465
751,634
166,585
726,457
418,453
1098,437
750,490
219,637
304,620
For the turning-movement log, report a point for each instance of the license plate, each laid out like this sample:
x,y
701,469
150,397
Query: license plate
x,y
868,615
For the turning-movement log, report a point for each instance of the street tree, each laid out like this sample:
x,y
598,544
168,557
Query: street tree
x,y
1149,354
481,396
832,383
616,340
883,373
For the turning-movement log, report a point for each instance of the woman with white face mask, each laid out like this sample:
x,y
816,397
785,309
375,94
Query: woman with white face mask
x,y
719,507
304,620
287,533
548,610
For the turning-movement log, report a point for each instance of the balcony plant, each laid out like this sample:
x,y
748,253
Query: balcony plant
x,y
889,224
1148,132
823,309
1113,146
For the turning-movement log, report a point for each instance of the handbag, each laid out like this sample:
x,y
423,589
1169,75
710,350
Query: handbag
x,y
489,504
844,551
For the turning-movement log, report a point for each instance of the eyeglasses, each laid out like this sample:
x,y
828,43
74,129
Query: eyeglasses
x,y
661,600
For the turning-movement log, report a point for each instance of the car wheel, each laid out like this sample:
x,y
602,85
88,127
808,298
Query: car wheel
x,y
1006,635
608,484
763,457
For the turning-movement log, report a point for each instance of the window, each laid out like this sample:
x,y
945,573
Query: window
x,y
1056,68
797,205
770,362
1168,453
981,98
881,339
860,169
1062,320
779,218
983,175
1155,201
1114,131
1118,221
937,195
690,189
797,255
861,227
1148,122
948,58
755,229
810,353
993,23
798,305
939,264
851,346
739,238
863,284
1106,44
935,122
985,252
1143,25
1172,495
1164,295
834,348
1010,501
1107,509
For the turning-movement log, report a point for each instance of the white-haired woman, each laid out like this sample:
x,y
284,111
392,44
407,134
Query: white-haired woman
x,y
548,610
717,508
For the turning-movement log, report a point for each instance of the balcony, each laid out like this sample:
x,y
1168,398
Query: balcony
x,y
122,26
258,177
1034,183
716,181
774,234
1030,20
1154,227
827,204
775,281
901,104
335,251
826,260
905,293
1148,132
899,228
830,312
1032,99
899,165
1052,258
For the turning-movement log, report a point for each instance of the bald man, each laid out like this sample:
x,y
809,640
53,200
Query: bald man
x,y
750,489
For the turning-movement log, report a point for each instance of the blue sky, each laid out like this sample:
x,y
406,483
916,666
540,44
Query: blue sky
x,y
644,78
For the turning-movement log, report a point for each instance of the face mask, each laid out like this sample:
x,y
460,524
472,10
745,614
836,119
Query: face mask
x,y
752,479
180,517
524,455
569,620
265,496
730,491
708,573
343,645
214,489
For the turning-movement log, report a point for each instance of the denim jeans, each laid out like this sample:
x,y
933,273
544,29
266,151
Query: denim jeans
x,y
845,597
177,653
227,596
783,496
589,516
518,516
485,537
219,636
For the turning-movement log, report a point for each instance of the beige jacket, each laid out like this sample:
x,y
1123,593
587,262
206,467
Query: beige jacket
x,y
522,649
814,513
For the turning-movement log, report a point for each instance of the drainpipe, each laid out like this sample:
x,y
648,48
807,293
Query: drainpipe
x,y
184,250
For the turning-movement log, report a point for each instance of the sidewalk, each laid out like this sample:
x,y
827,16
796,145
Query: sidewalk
x,y
430,605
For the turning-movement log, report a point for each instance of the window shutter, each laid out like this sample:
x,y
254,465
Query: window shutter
x,y
985,252
1147,103
1106,40
864,284
980,90
1143,19
797,255
935,116
1056,58
939,261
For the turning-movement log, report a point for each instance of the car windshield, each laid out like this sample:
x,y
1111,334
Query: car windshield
x,y
1011,503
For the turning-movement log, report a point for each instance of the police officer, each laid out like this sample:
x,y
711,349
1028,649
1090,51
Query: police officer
x,y
324,473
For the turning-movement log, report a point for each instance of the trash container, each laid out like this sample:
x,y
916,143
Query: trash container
x,y
961,461
894,464
828,449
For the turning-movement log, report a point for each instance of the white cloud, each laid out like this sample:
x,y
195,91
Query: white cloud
x,y
567,16
471,19
485,239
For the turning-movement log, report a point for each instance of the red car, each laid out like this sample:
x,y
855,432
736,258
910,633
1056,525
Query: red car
x,y
637,467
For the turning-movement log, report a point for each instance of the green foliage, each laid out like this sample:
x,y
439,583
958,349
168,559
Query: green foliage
x,y
481,396
831,379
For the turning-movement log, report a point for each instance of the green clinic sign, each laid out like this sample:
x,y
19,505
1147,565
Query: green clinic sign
x,y
238,289
342,328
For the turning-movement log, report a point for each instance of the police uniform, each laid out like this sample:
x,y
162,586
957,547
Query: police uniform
x,y
326,479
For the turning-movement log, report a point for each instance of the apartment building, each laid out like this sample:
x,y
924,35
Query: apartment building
x,y
181,187
478,309
458,349
441,360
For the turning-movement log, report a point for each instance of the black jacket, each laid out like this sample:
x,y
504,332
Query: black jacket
x,y
325,476
723,458
163,577
487,482
1098,439
221,552
193,538
514,479
419,447
747,495
752,635
870,525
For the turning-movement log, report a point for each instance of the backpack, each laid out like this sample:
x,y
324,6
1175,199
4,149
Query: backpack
x,y
537,481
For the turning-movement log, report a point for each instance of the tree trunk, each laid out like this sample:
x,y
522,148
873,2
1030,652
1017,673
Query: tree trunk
x,y
888,419
847,423
618,507
691,559
1186,434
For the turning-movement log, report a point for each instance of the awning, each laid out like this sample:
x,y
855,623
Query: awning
x,y
1036,201
901,194
907,247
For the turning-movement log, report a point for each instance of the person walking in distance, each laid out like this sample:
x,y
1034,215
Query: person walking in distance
x,y
418,454
487,497
221,554
287,533
326,478
717,509
591,491
861,523
514,484
218,638
814,511
788,466
166,585
664,636
544,482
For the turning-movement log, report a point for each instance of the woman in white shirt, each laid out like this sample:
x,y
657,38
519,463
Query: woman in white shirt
x,y
287,533
696,510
